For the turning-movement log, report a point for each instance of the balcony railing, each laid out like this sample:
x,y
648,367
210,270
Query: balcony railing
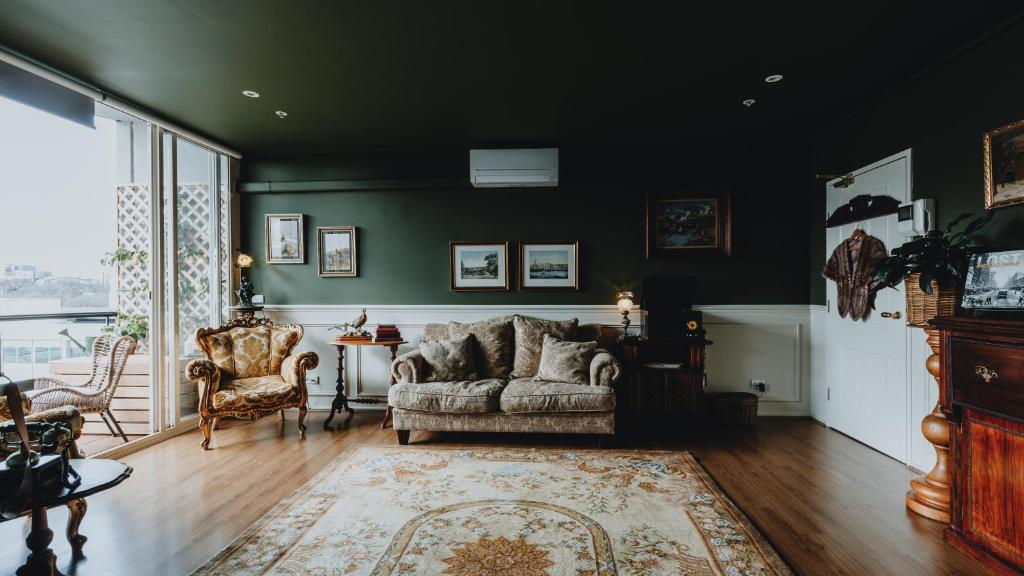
x,y
30,342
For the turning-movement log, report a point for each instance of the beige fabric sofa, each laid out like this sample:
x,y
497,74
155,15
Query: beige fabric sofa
x,y
504,398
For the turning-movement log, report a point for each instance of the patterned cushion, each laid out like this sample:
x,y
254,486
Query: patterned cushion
x,y
435,331
282,340
5,412
562,361
218,348
247,393
464,397
495,340
530,338
250,349
449,359
530,395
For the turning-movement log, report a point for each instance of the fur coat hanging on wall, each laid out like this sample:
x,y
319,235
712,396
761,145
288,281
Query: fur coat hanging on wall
x,y
851,267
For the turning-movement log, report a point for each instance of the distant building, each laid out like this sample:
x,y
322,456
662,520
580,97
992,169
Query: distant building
x,y
23,272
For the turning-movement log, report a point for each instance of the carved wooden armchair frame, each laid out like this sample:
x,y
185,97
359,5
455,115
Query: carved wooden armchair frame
x,y
208,376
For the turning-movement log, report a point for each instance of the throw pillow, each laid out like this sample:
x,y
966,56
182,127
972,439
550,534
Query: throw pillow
x,y
494,344
562,361
530,339
449,360
435,331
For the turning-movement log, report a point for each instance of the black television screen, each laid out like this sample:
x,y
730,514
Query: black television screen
x,y
665,299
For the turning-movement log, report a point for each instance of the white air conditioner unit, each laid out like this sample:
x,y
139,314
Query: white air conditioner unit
x,y
513,168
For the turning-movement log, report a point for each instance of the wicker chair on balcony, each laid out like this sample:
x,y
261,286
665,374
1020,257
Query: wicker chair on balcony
x,y
109,356
249,370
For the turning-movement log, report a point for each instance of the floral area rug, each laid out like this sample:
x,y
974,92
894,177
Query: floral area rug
x,y
501,512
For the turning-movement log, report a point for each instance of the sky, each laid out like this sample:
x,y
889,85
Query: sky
x,y
57,191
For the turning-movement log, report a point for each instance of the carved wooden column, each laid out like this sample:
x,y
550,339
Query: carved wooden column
x,y
929,494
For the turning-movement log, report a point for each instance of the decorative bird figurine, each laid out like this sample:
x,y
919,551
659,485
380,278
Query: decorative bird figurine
x,y
353,328
360,320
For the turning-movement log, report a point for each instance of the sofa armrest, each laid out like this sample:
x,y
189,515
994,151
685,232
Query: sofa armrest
x,y
207,375
294,367
409,367
605,369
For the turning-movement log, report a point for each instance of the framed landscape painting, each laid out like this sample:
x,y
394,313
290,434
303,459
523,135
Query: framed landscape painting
x,y
549,265
336,251
477,266
284,239
687,222
1004,166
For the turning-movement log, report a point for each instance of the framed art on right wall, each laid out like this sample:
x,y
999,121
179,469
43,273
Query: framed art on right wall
x,y
549,266
684,222
1004,166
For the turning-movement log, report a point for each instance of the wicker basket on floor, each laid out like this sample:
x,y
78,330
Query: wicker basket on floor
x,y
922,308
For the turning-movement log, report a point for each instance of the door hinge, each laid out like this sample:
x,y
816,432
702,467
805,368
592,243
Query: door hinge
x,y
828,305
828,394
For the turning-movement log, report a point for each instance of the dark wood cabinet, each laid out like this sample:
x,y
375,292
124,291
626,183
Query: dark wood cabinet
x,y
982,394
663,395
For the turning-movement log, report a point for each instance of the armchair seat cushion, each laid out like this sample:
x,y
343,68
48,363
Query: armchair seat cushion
x,y
256,392
462,397
525,395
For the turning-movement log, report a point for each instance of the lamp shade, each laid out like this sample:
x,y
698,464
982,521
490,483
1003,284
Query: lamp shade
x,y
624,301
243,260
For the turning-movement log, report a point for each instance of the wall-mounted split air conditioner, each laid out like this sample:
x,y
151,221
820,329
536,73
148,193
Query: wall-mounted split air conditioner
x,y
513,168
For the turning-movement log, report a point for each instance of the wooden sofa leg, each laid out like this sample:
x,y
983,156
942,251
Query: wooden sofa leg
x,y
204,427
403,437
302,420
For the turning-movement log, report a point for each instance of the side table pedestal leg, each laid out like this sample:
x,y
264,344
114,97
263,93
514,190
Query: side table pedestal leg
x,y
41,561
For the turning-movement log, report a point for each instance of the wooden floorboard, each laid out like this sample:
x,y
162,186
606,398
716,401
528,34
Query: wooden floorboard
x,y
828,504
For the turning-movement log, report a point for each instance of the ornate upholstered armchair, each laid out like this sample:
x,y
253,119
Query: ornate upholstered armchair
x,y
109,356
249,370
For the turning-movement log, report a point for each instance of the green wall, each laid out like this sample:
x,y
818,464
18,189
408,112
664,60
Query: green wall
x,y
941,115
404,230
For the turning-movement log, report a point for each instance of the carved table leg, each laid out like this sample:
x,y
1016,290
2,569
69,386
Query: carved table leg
x,y
929,494
76,512
340,401
387,411
41,561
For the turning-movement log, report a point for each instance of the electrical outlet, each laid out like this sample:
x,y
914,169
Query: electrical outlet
x,y
758,385
315,381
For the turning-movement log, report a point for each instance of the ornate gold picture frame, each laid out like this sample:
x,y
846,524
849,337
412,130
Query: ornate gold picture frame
x,y
1004,166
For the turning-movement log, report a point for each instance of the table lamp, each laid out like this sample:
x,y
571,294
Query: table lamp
x,y
624,300
245,288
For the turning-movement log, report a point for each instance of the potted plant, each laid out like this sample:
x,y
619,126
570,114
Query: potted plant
x,y
933,268
134,325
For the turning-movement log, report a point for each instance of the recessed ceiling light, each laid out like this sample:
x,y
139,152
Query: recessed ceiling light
x,y
281,114
773,78
749,102
250,93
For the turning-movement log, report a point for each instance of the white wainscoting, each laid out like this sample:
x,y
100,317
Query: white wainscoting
x,y
768,342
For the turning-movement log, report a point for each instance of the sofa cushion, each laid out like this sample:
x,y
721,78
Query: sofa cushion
x,y
562,361
530,338
435,331
449,359
245,393
529,395
282,340
250,351
218,350
495,341
464,397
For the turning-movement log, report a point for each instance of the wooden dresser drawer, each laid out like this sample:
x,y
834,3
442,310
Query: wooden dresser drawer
x,y
988,375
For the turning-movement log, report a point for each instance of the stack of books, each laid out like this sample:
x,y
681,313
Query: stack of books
x,y
387,333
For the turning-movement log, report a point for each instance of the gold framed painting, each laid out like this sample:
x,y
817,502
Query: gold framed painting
x,y
284,242
549,266
337,256
682,222
479,266
1004,166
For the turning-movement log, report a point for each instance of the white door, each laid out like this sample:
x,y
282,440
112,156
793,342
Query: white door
x,y
867,360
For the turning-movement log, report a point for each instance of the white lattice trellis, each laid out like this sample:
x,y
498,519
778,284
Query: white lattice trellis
x,y
133,235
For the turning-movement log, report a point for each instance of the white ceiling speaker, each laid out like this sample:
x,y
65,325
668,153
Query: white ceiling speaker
x,y
250,94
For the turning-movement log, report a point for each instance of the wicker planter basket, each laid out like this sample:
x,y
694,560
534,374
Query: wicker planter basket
x,y
922,308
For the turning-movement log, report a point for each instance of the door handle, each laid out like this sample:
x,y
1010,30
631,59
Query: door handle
x,y
894,315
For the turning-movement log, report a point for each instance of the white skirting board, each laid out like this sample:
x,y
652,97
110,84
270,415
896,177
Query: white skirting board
x,y
768,342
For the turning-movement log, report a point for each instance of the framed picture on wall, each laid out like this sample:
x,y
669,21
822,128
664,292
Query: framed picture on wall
x,y
549,265
336,251
683,222
1004,166
284,239
477,266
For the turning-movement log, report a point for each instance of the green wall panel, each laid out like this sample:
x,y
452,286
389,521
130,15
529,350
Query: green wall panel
x,y
942,116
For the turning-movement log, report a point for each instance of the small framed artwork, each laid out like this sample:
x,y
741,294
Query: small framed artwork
x,y
549,265
1004,166
477,266
691,221
284,239
336,251
995,282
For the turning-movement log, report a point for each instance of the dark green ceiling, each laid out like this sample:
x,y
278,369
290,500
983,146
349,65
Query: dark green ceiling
x,y
415,73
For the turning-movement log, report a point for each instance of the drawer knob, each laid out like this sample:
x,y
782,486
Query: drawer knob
x,y
987,374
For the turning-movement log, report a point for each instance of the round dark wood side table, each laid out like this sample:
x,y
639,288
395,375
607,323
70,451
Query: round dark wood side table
x,y
97,475
340,399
